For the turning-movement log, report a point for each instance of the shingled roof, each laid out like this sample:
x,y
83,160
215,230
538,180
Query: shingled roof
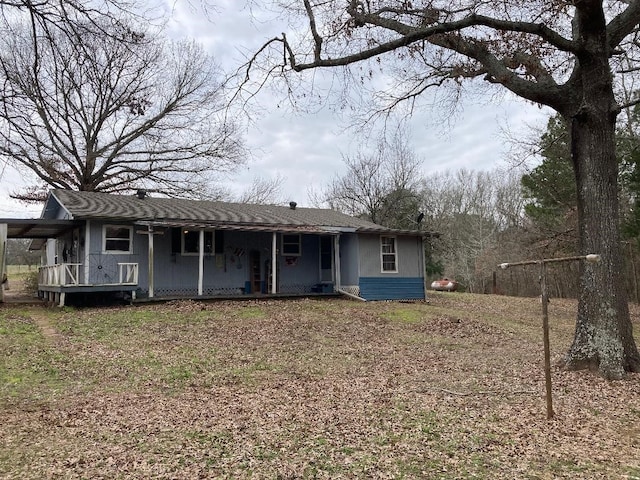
x,y
157,210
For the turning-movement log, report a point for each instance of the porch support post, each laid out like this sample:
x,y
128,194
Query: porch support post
x,y
150,260
200,262
274,265
336,260
3,258
87,250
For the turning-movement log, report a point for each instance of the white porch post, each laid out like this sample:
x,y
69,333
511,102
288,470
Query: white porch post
x,y
150,260
274,264
336,260
87,250
200,262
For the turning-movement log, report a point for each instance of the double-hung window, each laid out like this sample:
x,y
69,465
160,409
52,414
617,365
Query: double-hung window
x,y
117,239
388,254
291,245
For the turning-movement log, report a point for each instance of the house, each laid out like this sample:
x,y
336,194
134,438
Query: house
x,y
149,248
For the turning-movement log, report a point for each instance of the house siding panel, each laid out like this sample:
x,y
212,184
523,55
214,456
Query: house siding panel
x,y
393,288
409,257
103,268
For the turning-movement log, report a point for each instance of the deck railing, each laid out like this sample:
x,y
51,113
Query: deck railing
x,y
128,273
59,275
68,274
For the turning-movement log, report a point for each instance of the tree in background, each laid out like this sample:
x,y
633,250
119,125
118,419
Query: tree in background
x,y
479,217
381,186
262,190
106,106
550,191
558,54
18,253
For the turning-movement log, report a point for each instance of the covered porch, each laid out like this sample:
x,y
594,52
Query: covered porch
x,y
201,261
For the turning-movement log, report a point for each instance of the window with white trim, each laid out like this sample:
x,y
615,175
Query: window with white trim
x,y
388,254
191,242
117,239
291,245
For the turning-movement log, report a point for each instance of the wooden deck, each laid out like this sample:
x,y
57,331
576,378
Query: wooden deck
x,y
56,281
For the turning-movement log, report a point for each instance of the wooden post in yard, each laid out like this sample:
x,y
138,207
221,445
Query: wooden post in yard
x,y
591,258
545,334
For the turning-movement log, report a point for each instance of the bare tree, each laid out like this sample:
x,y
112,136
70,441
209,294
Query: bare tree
x,y
112,109
553,53
470,210
380,186
263,190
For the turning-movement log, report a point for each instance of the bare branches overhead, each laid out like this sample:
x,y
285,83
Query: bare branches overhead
x,y
113,109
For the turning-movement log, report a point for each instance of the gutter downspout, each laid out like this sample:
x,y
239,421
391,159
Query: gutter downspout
x,y
350,295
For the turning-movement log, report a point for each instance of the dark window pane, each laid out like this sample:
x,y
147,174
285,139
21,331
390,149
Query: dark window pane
x,y
117,232
117,245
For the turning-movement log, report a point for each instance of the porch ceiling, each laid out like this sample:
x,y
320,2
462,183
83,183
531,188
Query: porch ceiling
x,y
37,227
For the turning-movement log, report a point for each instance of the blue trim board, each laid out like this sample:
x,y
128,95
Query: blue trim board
x,y
392,288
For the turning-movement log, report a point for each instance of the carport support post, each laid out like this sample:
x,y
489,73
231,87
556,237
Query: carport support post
x,y
3,258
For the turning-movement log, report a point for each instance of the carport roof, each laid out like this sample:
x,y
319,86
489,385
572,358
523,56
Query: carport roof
x,y
37,227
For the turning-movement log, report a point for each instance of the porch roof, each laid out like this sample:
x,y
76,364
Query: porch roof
x,y
37,227
220,215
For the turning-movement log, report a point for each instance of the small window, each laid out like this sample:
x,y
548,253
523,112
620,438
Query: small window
x,y
117,239
388,254
191,242
291,245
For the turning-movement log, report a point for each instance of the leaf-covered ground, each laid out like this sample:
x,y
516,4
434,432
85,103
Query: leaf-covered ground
x,y
306,389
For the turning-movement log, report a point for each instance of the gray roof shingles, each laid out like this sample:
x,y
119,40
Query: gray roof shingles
x,y
92,205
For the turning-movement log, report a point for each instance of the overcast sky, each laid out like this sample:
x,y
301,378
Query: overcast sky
x,y
306,149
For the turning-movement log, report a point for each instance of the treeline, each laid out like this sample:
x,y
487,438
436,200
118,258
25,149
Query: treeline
x,y
485,218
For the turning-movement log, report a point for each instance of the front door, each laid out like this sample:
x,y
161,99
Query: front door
x,y
254,271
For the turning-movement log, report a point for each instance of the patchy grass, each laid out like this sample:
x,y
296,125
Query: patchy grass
x,y
306,389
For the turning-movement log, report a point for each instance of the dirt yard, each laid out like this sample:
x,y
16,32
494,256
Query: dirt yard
x,y
329,389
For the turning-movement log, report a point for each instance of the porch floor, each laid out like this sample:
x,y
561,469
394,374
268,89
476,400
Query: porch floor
x,y
246,296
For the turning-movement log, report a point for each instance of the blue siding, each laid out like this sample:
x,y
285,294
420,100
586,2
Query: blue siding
x,y
392,288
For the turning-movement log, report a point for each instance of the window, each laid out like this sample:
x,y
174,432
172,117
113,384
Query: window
x,y
388,254
117,239
291,245
191,242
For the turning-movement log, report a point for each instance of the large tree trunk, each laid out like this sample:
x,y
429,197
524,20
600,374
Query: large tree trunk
x,y
603,339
